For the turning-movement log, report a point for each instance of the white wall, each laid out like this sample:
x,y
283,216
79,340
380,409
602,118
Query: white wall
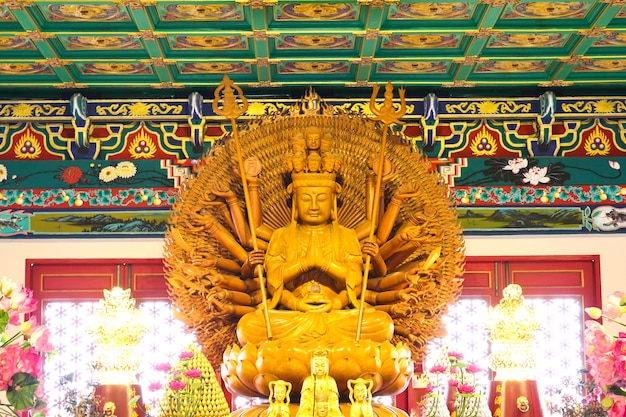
x,y
611,248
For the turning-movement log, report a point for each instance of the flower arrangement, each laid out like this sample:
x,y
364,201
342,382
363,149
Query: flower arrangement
x,y
469,398
606,355
79,402
191,388
184,383
23,346
460,378
576,398
435,403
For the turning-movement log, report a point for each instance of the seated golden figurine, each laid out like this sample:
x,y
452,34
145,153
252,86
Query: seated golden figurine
x,y
314,269
319,395
109,409
314,265
360,397
310,215
314,273
279,399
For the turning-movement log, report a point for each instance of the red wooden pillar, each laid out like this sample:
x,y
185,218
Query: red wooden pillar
x,y
120,395
515,399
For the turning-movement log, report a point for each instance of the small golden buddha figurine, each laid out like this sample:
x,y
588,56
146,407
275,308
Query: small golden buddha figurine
x,y
319,395
109,409
360,397
279,399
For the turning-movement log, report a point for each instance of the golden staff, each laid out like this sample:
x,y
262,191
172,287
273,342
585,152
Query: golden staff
x,y
232,110
387,114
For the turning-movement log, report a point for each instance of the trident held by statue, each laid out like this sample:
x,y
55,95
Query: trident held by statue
x,y
232,109
387,114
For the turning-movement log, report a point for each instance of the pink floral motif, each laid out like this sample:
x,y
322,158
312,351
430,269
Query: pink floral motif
x,y
177,385
193,373
163,367
613,309
597,341
40,339
466,388
618,409
472,368
155,386
536,175
186,355
437,369
455,356
515,165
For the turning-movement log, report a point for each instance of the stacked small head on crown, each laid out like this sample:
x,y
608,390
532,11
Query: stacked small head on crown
x,y
313,167
311,153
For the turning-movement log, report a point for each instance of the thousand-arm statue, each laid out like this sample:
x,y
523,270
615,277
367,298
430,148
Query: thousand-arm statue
x,y
263,299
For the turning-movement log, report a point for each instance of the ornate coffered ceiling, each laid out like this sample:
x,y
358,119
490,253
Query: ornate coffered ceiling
x,y
156,44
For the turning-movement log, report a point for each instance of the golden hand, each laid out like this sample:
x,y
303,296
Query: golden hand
x,y
222,190
314,255
369,248
413,275
413,233
407,191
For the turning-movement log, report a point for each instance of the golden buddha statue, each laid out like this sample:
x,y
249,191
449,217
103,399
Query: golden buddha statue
x,y
261,299
360,397
319,395
279,399
314,266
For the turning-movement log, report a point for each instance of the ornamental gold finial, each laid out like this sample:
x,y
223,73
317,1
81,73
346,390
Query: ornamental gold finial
x,y
230,108
387,112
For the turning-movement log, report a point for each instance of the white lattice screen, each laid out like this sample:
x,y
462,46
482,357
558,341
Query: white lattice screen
x,y
67,321
558,346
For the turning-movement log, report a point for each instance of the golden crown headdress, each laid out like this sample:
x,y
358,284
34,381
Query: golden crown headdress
x,y
311,162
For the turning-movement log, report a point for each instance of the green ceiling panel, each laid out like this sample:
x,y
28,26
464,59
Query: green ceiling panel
x,y
80,17
85,46
18,47
181,46
198,16
101,44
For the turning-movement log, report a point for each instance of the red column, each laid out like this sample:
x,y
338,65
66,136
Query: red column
x,y
120,395
515,399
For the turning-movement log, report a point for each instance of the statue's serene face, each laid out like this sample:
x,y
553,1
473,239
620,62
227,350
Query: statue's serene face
x,y
313,140
359,392
280,392
314,204
320,367
108,410
322,408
